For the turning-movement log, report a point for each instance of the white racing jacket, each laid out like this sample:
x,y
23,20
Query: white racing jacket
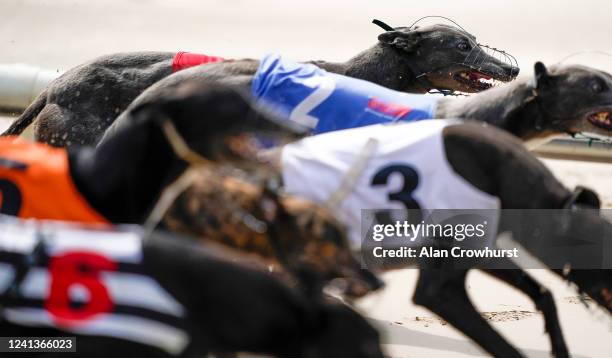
x,y
395,166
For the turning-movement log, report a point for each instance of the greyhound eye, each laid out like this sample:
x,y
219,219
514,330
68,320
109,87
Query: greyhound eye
x,y
463,46
596,87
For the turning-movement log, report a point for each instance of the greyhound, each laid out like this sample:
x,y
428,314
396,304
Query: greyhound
x,y
78,106
127,190
238,306
479,164
303,235
564,100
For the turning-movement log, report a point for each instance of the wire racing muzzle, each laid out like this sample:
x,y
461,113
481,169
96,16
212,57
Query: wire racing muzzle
x,y
477,74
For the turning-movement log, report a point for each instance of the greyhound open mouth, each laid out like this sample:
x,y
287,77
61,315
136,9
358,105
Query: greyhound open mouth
x,y
601,119
476,80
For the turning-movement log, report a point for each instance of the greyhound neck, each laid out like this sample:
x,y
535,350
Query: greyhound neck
x,y
510,107
379,64
124,176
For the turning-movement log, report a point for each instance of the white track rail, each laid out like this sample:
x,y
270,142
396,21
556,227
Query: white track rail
x,y
21,83
576,149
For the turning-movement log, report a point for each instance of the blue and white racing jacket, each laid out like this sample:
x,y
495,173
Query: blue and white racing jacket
x,y
326,102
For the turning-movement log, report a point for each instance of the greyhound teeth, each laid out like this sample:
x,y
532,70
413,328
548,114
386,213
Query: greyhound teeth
x,y
601,119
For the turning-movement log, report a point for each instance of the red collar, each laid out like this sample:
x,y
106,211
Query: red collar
x,y
183,60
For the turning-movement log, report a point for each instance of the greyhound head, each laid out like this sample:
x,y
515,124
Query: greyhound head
x,y
294,234
572,241
574,99
596,282
448,58
323,247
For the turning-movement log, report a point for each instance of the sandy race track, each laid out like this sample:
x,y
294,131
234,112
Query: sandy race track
x,y
58,34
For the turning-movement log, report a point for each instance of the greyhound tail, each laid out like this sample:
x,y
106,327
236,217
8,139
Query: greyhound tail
x,y
27,117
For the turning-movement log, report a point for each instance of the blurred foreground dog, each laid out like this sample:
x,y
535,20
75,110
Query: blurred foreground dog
x,y
122,181
161,296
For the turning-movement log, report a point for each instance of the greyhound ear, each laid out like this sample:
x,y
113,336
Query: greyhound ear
x,y
402,40
542,78
583,197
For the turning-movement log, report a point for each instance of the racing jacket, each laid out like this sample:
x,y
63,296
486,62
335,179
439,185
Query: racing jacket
x,y
35,182
325,101
401,166
86,281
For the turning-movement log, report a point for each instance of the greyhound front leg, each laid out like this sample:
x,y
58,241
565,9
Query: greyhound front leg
x,y
541,297
442,291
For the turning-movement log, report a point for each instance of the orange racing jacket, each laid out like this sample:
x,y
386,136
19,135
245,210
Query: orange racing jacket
x,y
35,182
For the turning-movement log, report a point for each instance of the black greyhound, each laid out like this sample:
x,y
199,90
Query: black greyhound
x,y
567,99
201,298
486,158
77,107
563,100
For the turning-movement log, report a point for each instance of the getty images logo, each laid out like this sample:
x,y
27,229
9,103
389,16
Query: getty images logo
x,y
404,229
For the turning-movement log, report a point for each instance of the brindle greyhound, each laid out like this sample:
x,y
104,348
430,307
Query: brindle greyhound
x,y
77,107
488,159
317,239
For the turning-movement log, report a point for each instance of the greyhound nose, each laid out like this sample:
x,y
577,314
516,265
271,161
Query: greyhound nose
x,y
512,71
